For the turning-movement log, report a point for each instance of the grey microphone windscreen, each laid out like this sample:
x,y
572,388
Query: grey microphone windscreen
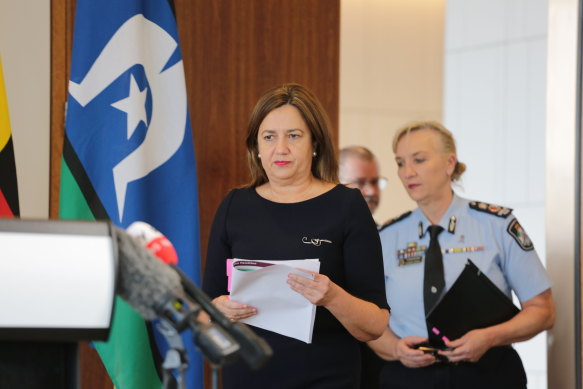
x,y
144,282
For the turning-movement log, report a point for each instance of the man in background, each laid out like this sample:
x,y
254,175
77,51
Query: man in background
x,y
358,168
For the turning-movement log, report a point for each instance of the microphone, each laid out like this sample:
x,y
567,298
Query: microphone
x,y
154,241
144,282
254,350
155,290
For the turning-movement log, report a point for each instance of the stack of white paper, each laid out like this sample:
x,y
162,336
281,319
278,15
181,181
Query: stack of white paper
x,y
263,285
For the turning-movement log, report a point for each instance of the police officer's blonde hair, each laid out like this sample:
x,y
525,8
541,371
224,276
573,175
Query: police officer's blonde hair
x,y
447,141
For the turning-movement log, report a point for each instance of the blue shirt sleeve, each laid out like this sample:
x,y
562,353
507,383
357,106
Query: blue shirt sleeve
x,y
522,266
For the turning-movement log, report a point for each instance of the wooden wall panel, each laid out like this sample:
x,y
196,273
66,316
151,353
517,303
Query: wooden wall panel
x,y
233,51
62,18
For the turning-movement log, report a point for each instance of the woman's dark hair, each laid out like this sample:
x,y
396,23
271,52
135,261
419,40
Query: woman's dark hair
x,y
324,163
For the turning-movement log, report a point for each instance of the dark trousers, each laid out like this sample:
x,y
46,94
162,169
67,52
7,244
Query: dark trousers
x,y
371,368
499,368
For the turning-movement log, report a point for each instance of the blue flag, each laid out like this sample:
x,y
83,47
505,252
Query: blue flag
x,y
129,154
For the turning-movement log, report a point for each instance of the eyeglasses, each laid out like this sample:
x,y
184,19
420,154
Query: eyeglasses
x,y
379,182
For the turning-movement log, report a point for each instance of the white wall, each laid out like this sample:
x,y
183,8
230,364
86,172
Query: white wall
x,y
25,51
494,103
391,66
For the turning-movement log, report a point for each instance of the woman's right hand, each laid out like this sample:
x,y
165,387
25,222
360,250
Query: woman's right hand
x,y
391,348
232,309
409,356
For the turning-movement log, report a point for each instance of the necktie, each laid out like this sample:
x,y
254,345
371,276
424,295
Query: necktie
x,y
433,279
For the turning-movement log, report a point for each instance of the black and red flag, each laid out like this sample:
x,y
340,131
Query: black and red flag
x,y
8,183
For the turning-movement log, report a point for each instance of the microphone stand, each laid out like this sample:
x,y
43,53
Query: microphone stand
x,y
215,377
215,343
175,359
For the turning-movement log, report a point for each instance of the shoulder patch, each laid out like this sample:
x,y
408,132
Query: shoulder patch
x,y
492,209
517,232
394,220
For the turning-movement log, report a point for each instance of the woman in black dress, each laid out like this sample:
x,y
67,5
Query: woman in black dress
x,y
294,208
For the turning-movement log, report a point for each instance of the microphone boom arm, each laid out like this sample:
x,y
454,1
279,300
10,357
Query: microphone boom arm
x,y
254,350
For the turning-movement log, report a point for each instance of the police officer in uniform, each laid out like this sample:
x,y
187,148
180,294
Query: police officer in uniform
x,y
487,234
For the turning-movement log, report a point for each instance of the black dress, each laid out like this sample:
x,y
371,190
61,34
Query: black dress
x,y
335,227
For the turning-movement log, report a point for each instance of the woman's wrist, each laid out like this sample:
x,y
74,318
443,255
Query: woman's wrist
x,y
334,298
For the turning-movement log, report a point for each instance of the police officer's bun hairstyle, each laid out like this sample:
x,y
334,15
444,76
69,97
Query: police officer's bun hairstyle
x,y
447,140
325,161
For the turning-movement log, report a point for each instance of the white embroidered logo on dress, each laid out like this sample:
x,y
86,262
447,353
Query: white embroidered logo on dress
x,y
315,241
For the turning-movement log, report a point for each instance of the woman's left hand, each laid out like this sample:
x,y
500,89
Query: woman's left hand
x,y
537,314
468,348
319,291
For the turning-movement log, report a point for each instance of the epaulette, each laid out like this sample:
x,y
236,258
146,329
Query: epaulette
x,y
492,209
394,220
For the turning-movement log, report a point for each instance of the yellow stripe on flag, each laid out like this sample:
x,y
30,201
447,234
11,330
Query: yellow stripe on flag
x,y
4,118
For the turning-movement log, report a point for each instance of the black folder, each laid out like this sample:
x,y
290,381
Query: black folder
x,y
472,302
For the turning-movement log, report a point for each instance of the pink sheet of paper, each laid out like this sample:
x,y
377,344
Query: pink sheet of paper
x,y
229,273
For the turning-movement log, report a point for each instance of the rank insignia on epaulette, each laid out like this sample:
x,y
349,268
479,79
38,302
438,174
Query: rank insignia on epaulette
x,y
451,225
492,209
410,255
520,236
394,220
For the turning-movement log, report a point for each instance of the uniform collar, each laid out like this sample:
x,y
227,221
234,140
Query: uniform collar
x,y
448,220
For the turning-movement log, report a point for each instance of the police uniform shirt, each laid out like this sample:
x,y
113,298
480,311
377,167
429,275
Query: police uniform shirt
x,y
489,235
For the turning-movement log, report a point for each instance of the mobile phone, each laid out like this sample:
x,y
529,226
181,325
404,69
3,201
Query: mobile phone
x,y
427,349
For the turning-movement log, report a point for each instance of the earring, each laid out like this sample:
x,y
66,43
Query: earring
x,y
314,154
259,156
